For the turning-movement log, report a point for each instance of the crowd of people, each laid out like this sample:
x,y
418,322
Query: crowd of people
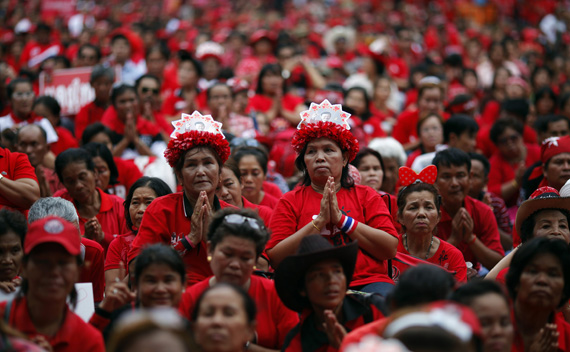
x,y
297,175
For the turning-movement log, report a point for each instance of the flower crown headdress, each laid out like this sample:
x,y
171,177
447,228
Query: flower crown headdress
x,y
325,120
196,130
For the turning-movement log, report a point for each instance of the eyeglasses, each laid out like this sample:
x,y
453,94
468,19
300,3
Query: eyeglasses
x,y
237,219
153,90
23,95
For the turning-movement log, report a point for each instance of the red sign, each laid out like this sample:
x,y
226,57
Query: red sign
x,y
58,8
70,87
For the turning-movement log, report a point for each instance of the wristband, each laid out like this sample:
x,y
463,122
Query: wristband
x,y
347,224
472,241
187,243
103,313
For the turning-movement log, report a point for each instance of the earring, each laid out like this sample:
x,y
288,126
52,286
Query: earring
x,y
209,258
254,267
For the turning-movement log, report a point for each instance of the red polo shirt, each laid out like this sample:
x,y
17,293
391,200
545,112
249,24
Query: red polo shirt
x,y
73,335
484,227
111,216
167,221
14,166
92,269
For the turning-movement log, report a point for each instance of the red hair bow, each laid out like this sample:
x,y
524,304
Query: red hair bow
x,y
408,176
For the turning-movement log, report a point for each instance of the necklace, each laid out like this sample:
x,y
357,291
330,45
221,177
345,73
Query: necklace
x,y
406,245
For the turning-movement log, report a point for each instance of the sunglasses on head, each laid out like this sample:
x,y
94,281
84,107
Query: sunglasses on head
x,y
237,219
153,90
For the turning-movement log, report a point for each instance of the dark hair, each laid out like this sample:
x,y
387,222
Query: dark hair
x,y
11,87
101,71
184,55
531,249
101,150
481,158
159,187
145,76
161,48
119,36
50,103
11,220
258,153
422,120
501,125
93,47
545,92
233,166
248,303
465,294
180,161
74,155
366,115
346,180
366,152
417,187
458,124
119,90
452,157
274,69
542,122
537,70
220,229
156,254
218,84
425,86
92,130
564,100
527,226
32,125
420,285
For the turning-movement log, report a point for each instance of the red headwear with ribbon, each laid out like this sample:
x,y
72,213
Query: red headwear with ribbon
x,y
551,147
408,176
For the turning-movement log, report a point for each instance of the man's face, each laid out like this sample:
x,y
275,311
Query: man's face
x,y
325,284
31,142
557,129
149,92
478,179
557,170
87,57
466,141
452,183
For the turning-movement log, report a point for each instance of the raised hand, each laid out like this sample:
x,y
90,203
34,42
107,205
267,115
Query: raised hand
x,y
93,230
334,330
336,214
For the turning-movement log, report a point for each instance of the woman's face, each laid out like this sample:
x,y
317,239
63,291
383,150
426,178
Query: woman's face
x,y
103,172
51,273
142,197
43,111
79,181
222,324
323,158
430,101
200,172
541,283
127,104
382,91
252,176
501,77
356,100
544,105
431,132
156,63
391,167
102,138
159,286
230,188
551,223
271,84
495,318
11,254
160,340
233,260
371,173
510,144
420,215
187,74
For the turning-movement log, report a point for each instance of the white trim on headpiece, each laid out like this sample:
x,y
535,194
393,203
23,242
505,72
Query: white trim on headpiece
x,y
196,122
325,112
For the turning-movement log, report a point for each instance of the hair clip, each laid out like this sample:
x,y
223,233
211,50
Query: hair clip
x,y
408,176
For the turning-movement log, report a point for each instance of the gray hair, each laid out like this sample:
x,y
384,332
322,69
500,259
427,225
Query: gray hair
x,y
389,148
53,206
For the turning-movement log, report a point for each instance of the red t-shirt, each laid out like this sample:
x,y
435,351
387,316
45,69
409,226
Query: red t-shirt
x,y
446,256
65,141
167,221
269,201
263,103
503,171
111,216
272,189
87,115
296,209
413,157
274,320
118,252
14,166
562,327
144,127
405,128
73,335
92,269
484,227
175,103
263,211
488,148
373,128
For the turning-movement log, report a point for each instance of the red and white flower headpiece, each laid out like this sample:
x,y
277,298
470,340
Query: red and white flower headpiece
x,y
325,120
196,130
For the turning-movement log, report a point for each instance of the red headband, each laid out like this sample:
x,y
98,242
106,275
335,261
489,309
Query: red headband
x,y
186,141
333,131
553,146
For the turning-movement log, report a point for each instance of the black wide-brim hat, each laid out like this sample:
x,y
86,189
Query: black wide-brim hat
x,y
290,274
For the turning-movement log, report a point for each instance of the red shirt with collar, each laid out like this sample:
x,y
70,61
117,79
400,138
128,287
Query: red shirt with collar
x,y
111,215
73,335
167,221
503,171
296,209
484,227
87,115
446,256
14,166
92,269
274,320
562,327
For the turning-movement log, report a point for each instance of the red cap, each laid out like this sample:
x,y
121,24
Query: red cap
x,y
53,229
553,146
